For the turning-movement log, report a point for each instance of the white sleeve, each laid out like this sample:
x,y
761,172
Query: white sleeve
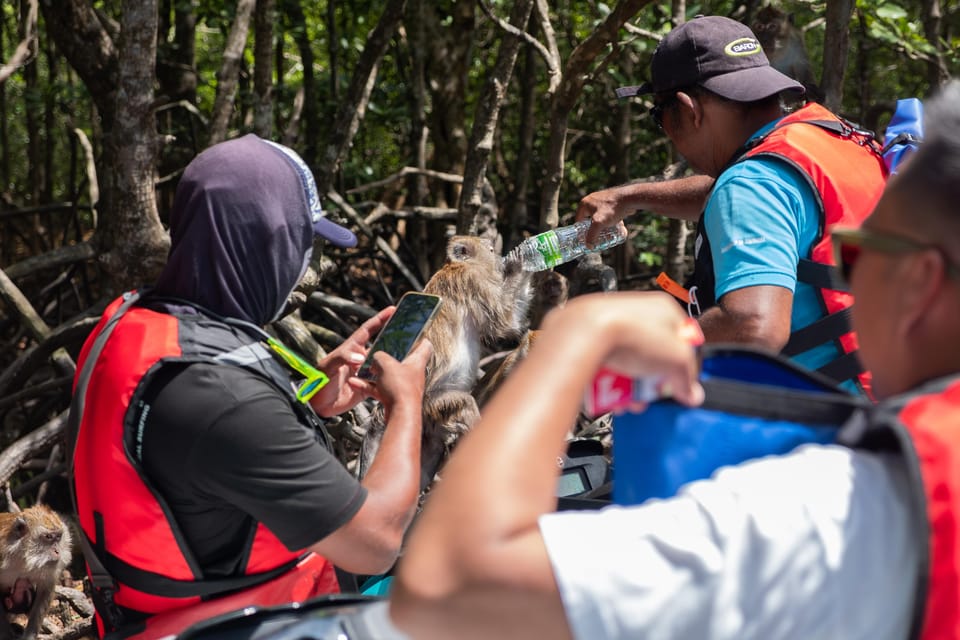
x,y
814,544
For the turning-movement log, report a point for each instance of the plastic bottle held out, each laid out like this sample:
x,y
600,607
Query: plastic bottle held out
x,y
557,246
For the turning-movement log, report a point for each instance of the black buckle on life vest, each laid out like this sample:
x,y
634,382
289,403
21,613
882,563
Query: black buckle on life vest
x,y
102,594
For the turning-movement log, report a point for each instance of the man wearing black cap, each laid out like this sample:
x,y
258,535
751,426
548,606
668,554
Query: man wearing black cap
x,y
826,542
770,187
204,479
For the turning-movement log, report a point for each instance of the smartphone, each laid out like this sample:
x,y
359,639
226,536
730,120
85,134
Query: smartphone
x,y
414,312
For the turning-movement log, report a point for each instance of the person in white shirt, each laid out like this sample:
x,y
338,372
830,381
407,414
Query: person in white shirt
x,y
823,542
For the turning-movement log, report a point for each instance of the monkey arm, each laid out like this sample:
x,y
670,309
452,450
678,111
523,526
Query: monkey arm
x,y
476,565
370,542
682,198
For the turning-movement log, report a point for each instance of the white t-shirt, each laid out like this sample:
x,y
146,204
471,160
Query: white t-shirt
x,y
817,544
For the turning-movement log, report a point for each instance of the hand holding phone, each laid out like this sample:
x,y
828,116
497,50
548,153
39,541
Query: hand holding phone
x,y
414,313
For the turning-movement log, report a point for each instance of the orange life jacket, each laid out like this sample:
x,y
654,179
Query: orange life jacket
x,y
128,531
846,173
923,427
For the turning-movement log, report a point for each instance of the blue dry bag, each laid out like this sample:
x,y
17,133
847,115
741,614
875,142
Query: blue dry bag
x,y
904,133
756,404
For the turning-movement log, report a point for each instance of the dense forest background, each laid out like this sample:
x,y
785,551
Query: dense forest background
x,y
418,118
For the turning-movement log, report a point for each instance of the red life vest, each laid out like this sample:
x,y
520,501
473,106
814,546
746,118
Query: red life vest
x,y
125,522
932,421
923,427
846,173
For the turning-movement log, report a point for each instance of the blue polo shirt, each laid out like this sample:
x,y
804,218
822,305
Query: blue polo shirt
x,y
761,218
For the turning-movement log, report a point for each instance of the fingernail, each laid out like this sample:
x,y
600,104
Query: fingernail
x,y
356,358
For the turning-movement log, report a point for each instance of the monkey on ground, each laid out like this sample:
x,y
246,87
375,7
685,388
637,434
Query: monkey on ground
x,y
34,551
485,300
783,43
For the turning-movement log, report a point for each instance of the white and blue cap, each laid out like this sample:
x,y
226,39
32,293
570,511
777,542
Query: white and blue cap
x,y
322,226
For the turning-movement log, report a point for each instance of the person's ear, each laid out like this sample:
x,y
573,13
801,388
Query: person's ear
x,y
922,277
692,106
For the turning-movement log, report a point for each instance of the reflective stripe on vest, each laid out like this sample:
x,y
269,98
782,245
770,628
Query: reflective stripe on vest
x,y
153,568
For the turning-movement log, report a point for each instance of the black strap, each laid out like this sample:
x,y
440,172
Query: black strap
x,y
159,585
845,367
818,332
778,403
901,138
820,275
102,583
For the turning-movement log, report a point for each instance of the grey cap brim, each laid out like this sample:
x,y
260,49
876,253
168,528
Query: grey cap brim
x,y
755,83
334,233
640,89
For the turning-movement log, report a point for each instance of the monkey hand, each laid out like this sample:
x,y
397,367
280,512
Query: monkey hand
x,y
341,364
20,597
399,384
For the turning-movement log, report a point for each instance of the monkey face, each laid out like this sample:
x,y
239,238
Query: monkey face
x,y
46,546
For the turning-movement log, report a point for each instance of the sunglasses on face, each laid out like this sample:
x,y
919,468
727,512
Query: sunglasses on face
x,y
656,111
849,243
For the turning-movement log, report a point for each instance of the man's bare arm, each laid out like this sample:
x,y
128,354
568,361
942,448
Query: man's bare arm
x,y
682,198
758,316
476,565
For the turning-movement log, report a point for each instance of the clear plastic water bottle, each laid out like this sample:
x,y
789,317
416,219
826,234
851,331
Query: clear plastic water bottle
x,y
550,248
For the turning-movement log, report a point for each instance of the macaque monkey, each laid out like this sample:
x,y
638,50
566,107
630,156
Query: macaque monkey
x,y
34,550
591,275
783,43
485,299
492,380
551,289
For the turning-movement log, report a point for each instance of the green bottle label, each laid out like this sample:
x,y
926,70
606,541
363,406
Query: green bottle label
x,y
549,248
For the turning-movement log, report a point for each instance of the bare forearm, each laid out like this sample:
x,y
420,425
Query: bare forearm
x,y
477,545
758,316
683,198
393,479
477,550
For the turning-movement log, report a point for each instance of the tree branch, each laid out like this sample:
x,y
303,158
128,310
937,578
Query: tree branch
x,y
26,50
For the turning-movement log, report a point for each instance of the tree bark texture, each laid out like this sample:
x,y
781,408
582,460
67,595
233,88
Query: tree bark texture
x,y
485,124
575,74
937,73
836,45
354,106
450,56
134,241
28,44
309,114
229,71
85,42
264,19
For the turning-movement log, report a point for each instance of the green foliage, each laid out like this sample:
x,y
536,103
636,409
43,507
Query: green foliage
x,y
609,141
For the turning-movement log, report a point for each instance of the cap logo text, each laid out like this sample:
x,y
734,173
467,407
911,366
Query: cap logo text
x,y
743,47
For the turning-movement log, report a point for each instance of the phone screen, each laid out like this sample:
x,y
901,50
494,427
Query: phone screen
x,y
402,330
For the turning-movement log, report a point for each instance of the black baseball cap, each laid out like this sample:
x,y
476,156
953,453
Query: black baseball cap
x,y
718,54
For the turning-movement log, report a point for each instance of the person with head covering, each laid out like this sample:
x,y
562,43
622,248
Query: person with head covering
x,y
204,478
857,540
769,188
